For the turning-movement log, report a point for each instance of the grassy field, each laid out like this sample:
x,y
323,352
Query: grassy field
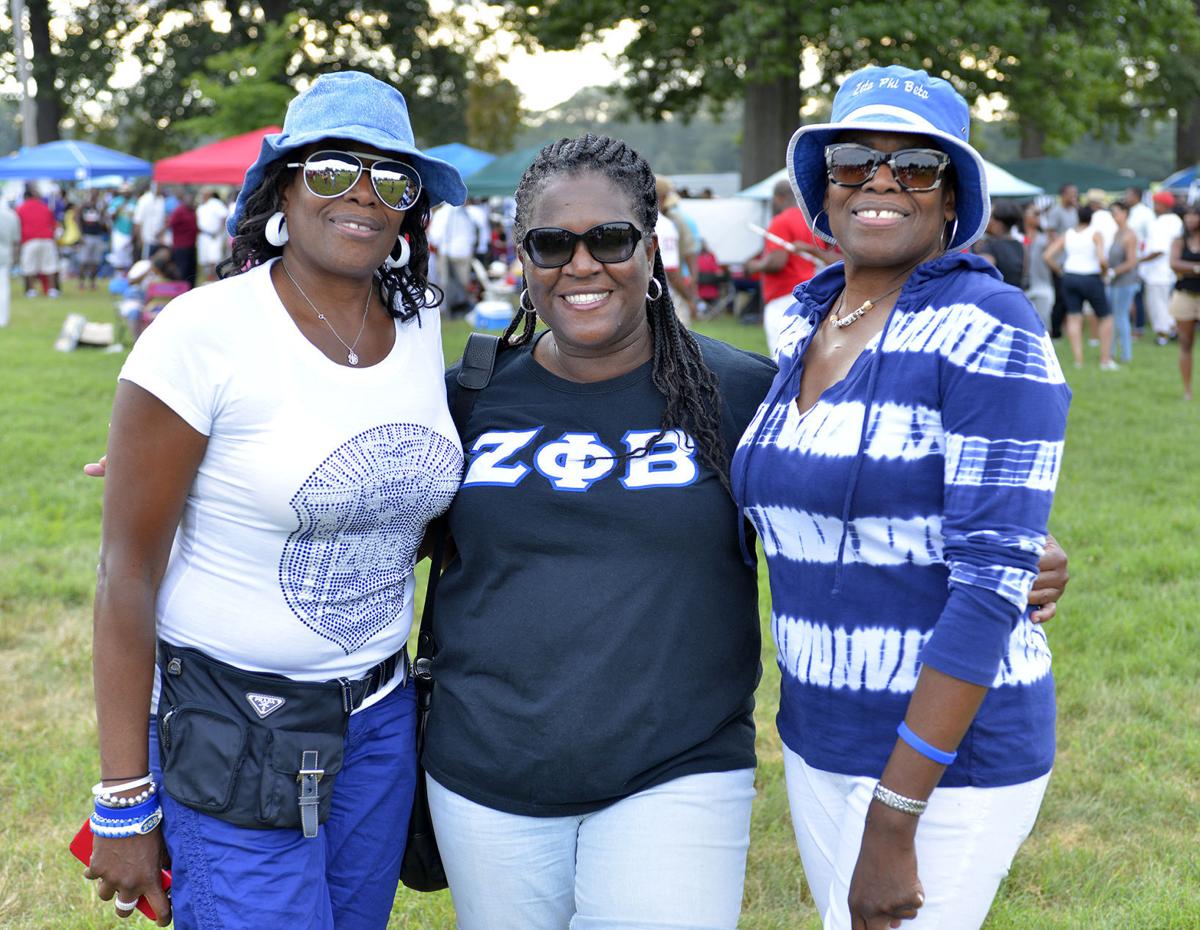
x,y
1118,841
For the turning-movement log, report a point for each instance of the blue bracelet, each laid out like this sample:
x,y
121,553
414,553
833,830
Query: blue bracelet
x,y
929,752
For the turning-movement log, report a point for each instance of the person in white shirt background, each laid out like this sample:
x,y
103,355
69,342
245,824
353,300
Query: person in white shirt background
x,y
10,240
149,219
212,241
456,236
1158,280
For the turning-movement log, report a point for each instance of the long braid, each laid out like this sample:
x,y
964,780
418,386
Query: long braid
x,y
251,248
678,369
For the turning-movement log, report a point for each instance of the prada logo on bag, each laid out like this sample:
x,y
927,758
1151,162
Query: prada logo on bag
x,y
264,704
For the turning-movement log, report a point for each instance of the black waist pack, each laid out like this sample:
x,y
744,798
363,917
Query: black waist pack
x,y
250,748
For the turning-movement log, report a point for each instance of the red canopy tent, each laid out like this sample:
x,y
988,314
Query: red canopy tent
x,y
223,162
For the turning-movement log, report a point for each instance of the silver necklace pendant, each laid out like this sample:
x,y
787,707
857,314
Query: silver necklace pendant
x,y
352,358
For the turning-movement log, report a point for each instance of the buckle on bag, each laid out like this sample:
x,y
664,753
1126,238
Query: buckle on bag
x,y
309,778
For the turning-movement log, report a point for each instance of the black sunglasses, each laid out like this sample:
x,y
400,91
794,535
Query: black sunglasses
x,y
609,243
852,165
331,173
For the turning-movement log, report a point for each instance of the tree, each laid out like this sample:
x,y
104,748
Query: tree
x,y
1064,67
493,109
71,62
173,41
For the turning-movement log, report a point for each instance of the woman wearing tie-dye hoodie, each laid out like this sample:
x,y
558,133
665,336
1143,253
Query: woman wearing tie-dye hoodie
x,y
900,475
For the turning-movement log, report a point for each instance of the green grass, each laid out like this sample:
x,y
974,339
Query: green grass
x,y
1118,840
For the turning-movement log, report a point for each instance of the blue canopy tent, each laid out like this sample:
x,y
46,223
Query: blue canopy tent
x,y
1183,179
69,160
466,159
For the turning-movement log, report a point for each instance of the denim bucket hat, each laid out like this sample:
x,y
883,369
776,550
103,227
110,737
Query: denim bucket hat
x,y
894,99
356,107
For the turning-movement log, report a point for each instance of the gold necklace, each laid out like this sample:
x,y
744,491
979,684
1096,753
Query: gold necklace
x,y
352,356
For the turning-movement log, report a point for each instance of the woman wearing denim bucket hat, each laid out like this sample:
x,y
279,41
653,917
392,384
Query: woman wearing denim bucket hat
x,y
900,474
279,441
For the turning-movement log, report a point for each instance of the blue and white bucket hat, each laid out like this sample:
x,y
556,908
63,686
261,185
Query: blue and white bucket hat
x,y
894,99
356,107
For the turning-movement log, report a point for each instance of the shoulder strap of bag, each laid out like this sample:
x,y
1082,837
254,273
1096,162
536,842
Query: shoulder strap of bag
x,y
478,362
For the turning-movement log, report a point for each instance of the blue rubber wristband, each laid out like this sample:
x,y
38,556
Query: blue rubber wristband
x,y
929,752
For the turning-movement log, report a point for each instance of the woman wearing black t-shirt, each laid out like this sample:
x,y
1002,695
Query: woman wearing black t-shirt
x,y
1185,302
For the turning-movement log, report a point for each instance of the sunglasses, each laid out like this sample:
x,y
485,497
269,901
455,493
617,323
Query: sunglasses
x,y
609,243
853,165
330,173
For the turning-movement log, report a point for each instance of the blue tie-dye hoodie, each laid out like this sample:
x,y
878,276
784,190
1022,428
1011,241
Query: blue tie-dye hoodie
x,y
912,535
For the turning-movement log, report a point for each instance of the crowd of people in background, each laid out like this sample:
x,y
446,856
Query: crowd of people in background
x,y
1118,269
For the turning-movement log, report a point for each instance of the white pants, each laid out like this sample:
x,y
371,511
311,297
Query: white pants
x,y
672,857
773,321
966,842
1157,298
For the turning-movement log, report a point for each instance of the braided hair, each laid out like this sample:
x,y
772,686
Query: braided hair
x,y
410,283
678,369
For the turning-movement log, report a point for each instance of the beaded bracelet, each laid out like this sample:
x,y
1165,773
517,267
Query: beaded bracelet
x,y
130,812
929,752
107,797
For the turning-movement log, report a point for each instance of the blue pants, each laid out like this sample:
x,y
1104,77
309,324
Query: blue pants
x,y
226,877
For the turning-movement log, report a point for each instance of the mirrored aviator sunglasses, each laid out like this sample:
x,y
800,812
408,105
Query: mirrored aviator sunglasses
x,y
331,173
852,165
608,243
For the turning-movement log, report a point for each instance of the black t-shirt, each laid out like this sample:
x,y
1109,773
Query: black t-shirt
x,y
598,630
91,222
1008,254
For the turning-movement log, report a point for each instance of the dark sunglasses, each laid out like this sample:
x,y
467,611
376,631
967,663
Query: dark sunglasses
x,y
551,247
331,173
852,165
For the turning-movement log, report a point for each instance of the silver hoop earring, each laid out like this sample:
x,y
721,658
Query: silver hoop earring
x,y
816,221
653,297
953,234
276,230
401,260
527,303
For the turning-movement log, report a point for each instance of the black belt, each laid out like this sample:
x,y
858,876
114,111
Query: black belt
x,y
357,691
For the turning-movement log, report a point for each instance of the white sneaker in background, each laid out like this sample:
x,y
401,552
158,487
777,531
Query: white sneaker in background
x,y
1110,365
31,293
53,292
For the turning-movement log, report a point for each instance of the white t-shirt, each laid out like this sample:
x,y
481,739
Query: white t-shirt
x,y
150,214
1079,252
459,232
1103,223
210,222
1141,219
296,548
1163,233
668,242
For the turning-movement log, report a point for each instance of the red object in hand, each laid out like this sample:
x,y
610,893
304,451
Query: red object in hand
x,y
81,847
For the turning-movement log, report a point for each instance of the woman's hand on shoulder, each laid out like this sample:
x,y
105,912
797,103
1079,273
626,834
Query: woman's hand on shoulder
x,y
1051,581
128,868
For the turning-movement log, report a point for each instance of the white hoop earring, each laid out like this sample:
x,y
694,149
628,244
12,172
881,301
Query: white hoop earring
x,y
401,260
654,297
526,303
276,229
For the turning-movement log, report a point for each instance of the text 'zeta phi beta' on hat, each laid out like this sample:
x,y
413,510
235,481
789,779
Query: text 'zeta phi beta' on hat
x,y
354,107
894,99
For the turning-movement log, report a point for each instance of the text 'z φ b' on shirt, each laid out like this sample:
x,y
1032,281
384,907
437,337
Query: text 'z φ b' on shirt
x,y
947,487
598,631
296,548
